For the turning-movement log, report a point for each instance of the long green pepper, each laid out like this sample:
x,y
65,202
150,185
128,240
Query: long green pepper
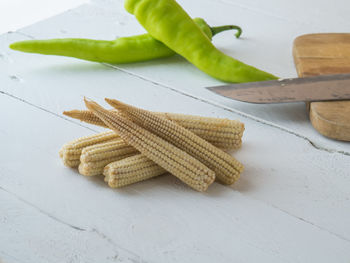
x,y
166,21
122,50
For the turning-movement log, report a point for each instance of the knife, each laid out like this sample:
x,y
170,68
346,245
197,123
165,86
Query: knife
x,y
316,88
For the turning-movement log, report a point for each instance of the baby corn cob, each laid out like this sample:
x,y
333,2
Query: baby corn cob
x,y
71,151
94,158
131,170
227,169
223,133
177,162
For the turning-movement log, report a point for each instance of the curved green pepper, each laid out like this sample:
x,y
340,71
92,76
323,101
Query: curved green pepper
x,y
122,50
166,21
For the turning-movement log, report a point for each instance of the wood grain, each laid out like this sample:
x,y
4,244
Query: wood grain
x,y
319,54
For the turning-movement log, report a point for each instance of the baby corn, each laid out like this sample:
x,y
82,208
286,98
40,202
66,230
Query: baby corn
x,y
176,161
223,133
71,151
94,158
131,170
227,169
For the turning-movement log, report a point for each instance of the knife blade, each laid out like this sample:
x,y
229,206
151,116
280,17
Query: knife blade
x,y
316,88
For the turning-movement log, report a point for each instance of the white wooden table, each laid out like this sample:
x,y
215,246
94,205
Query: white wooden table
x,y
292,203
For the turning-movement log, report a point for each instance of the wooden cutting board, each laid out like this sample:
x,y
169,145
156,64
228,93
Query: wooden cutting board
x,y
317,54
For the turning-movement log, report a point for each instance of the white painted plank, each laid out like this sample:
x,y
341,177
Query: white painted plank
x,y
305,12
278,207
70,86
16,14
29,234
266,43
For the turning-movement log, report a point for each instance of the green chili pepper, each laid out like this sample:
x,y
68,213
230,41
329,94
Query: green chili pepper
x,y
122,50
166,21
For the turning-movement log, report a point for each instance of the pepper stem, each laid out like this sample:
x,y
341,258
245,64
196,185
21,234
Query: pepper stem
x,y
217,29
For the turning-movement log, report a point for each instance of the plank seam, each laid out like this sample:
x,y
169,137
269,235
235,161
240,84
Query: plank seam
x,y
21,34
45,110
95,231
42,211
307,222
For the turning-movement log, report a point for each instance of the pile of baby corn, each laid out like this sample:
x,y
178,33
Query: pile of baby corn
x,y
142,144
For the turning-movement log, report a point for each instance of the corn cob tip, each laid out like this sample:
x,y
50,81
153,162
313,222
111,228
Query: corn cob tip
x,y
99,111
121,107
60,152
86,100
117,104
242,126
91,105
75,114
